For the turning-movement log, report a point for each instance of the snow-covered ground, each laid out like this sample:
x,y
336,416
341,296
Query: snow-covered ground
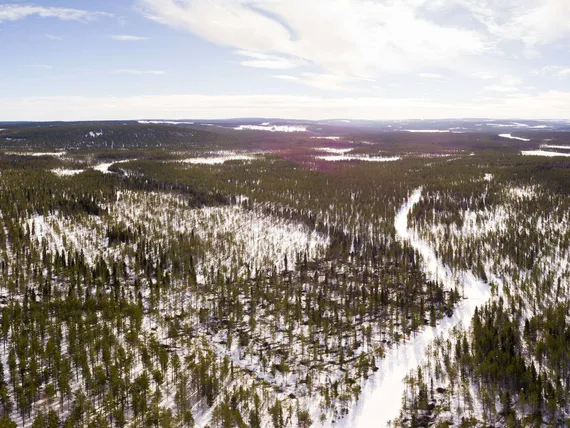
x,y
554,146
61,234
381,397
234,234
218,158
37,154
543,153
164,122
62,172
333,150
104,167
332,138
272,128
512,137
346,157
429,131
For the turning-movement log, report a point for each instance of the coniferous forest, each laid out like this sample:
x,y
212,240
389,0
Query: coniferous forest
x,y
156,275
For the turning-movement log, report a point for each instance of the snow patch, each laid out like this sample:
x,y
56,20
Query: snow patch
x,y
94,134
218,158
333,138
104,167
37,154
272,128
345,157
333,150
164,122
428,130
543,153
554,146
512,137
66,172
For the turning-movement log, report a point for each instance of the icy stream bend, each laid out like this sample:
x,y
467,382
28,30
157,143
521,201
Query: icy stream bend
x,y
381,398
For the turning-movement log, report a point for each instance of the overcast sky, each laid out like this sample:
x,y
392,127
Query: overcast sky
x,y
311,59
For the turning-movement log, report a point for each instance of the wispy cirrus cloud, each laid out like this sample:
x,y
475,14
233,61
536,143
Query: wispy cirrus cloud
x,y
16,12
128,38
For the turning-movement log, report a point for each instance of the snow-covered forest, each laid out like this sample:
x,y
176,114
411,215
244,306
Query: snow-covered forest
x,y
228,280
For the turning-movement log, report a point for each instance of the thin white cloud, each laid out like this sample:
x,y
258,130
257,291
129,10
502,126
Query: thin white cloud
x,y
501,88
260,60
287,77
326,82
430,75
128,38
547,105
138,72
556,70
485,75
16,12
54,37
507,84
45,66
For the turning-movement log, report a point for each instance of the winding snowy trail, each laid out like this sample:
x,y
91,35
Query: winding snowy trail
x,y
381,398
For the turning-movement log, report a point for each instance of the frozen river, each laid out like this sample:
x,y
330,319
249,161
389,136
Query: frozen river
x,y
381,397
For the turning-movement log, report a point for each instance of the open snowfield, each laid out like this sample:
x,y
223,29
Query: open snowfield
x,y
218,158
62,172
554,146
347,157
512,137
104,167
37,154
333,150
543,153
332,138
272,128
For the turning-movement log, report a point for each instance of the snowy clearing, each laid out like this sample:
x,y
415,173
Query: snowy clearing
x,y
344,157
164,122
272,128
428,130
326,138
381,398
553,146
512,137
36,154
217,160
104,167
543,153
66,172
333,150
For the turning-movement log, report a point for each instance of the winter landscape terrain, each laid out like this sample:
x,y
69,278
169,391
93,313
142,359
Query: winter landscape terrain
x,y
273,273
